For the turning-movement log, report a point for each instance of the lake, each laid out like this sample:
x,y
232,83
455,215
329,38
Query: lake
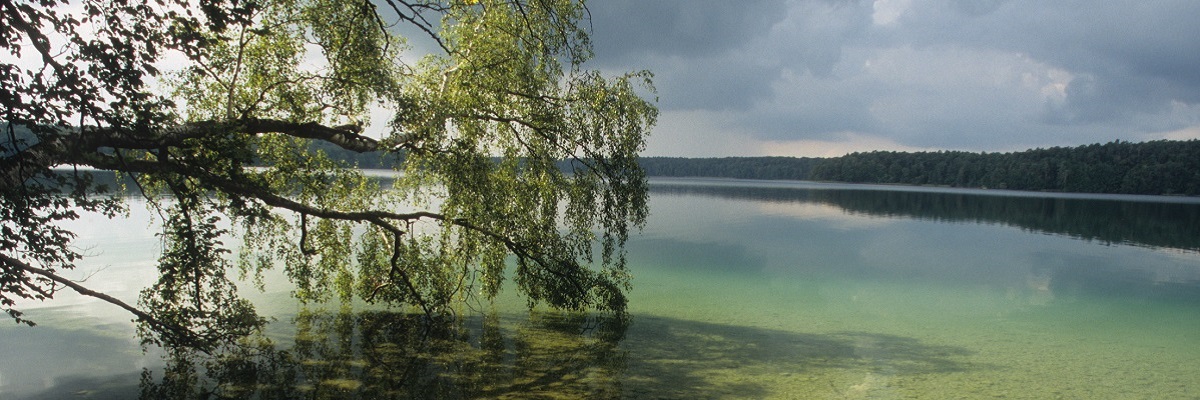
x,y
742,289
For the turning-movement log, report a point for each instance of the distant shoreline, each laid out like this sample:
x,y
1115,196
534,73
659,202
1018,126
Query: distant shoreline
x,y
1157,168
826,185
1163,167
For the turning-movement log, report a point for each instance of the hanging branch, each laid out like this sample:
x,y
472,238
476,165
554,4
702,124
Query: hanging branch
x,y
180,334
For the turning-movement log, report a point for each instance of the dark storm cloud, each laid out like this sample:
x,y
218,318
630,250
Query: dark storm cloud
x,y
629,30
962,74
722,55
715,83
697,48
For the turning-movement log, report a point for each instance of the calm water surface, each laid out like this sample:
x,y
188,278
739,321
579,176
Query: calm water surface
x,y
742,290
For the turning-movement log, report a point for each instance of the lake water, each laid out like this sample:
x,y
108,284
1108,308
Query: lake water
x,y
742,290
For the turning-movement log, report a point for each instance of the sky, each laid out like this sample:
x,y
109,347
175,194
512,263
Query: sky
x,y
822,78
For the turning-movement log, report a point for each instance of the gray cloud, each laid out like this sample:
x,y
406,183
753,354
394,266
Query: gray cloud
x,y
629,30
1129,57
959,74
699,50
716,83
814,34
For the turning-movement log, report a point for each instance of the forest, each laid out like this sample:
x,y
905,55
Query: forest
x,y
1163,167
1156,167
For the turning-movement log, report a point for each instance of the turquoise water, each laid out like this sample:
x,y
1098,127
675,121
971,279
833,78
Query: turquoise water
x,y
741,290
808,296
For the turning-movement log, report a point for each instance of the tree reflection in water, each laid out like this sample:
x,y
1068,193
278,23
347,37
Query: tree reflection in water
x,y
555,355
1156,222
382,354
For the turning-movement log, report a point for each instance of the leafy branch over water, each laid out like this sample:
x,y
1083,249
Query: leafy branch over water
x,y
227,144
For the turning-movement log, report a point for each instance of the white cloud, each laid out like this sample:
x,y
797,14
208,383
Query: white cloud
x,y
836,217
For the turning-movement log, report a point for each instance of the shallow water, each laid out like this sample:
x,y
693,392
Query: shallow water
x,y
741,290
806,293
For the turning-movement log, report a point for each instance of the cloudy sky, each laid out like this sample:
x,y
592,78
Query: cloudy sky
x,y
828,77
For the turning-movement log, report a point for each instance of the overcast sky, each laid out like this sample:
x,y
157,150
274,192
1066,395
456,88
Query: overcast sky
x,y
827,77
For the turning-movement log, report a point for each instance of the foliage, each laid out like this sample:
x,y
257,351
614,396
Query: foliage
x,y
1156,167
231,141
380,354
781,168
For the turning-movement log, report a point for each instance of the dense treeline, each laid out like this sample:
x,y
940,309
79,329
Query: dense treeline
x,y
1158,167
366,160
732,167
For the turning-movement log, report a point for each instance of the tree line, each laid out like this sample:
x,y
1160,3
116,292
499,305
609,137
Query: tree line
x,y
1156,167
783,168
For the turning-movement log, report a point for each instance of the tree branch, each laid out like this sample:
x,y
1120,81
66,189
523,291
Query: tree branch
x,y
419,20
177,331
383,219
81,146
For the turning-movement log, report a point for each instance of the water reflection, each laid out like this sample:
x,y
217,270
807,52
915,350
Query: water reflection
x,y
1107,219
381,354
734,302
680,359
953,237
552,355
45,363
685,256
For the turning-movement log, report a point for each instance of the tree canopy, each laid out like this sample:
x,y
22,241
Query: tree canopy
x,y
212,108
1161,167
1155,167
